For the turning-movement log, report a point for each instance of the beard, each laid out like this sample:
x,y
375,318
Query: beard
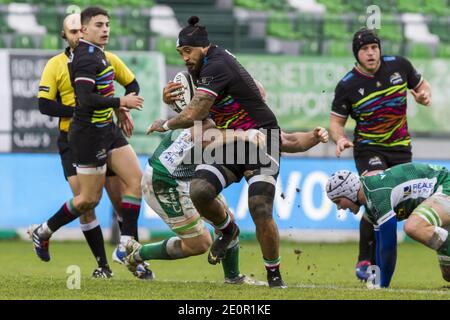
x,y
194,69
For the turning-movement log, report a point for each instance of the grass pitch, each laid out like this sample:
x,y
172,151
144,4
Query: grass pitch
x,y
320,271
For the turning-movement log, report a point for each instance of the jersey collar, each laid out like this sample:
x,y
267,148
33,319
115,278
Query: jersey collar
x,y
67,52
91,44
362,73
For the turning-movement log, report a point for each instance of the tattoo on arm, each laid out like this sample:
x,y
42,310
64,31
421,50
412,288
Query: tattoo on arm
x,y
197,110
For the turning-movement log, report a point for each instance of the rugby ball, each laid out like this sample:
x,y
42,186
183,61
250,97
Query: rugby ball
x,y
186,93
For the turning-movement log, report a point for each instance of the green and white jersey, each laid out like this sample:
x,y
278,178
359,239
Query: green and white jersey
x,y
170,158
399,190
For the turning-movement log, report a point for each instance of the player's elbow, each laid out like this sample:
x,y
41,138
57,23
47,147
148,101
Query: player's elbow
x,y
84,100
43,104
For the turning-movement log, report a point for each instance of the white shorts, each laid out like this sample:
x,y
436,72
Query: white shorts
x,y
169,198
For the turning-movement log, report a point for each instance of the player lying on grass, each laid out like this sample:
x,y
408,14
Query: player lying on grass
x,y
165,187
419,193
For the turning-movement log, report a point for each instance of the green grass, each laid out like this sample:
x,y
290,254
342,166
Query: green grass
x,y
321,271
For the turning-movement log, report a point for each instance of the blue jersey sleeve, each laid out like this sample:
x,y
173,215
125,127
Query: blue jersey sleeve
x,y
386,249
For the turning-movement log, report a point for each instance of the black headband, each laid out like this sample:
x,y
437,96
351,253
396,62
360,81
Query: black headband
x,y
193,35
362,37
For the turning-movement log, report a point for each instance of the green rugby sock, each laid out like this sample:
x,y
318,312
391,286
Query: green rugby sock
x,y
155,251
230,263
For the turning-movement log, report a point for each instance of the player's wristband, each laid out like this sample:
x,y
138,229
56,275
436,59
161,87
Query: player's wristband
x,y
165,126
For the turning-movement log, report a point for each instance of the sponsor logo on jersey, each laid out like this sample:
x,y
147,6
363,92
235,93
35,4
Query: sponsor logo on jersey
x,y
412,189
205,81
419,188
378,84
407,191
104,62
44,88
361,91
396,78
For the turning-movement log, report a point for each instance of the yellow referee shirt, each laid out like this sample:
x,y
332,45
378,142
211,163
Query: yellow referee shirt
x,y
55,81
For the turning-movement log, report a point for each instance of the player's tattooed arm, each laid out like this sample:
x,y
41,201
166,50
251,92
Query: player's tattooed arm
x,y
197,110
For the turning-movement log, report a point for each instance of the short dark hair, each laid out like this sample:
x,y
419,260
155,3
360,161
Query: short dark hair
x,y
90,12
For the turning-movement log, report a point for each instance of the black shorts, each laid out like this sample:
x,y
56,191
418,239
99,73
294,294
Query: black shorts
x,y
90,144
369,158
67,160
247,161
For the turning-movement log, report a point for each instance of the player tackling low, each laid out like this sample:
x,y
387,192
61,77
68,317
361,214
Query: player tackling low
x,y
419,193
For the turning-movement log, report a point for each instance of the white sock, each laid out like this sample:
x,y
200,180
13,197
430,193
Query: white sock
x,y
125,239
44,231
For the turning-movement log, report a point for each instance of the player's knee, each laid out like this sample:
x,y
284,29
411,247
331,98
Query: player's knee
x,y
135,188
205,243
88,217
411,228
260,210
201,191
201,247
88,202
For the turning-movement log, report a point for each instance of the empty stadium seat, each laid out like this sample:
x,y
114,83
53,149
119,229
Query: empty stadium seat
x,y
410,5
391,47
51,42
168,47
250,26
280,25
163,21
335,6
21,41
391,28
335,27
436,7
22,20
114,43
137,43
308,6
420,50
444,50
339,48
416,30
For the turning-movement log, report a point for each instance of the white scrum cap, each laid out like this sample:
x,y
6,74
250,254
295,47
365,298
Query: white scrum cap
x,y
343,183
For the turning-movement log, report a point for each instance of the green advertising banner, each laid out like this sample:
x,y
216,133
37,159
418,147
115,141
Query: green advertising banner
x,y
149,69
300,90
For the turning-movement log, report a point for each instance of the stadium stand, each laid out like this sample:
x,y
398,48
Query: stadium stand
x,y
309,27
